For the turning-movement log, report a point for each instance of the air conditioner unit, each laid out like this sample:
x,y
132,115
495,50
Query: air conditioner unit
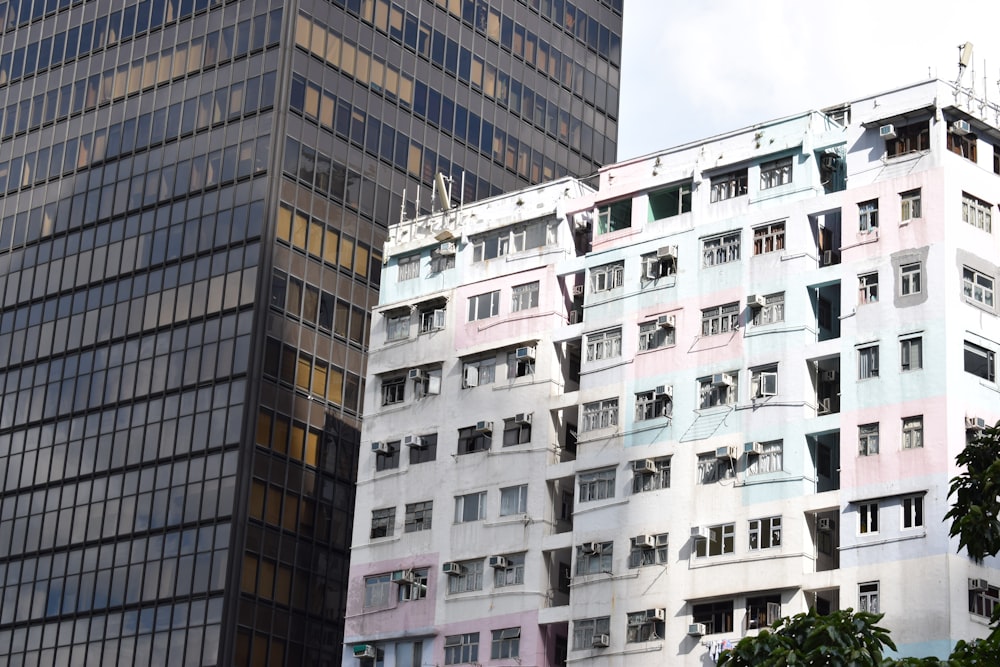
x,y
828,162
656,614
484,427
961,127
722,380
667,252
417,374
446,249
591,548
402,576
753,448
824,407
830,376
414,441
699,532
522,418
664,390
887,132
975,423
499,562
827,257
452,569
364,651
577,290
381,448
666,321
726,452
825,524
601,641
696,629
979,585
756,301
645,541
524,353
644,466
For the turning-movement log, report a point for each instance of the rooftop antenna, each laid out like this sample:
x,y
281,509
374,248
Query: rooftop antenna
x,y
964,56
443,196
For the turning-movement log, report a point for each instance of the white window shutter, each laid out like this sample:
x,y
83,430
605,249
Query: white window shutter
x,y
471,376
434,384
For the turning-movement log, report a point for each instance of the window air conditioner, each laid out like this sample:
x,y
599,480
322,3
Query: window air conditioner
x,y
402,576
484,427
522,418
452,569
825,524
980,585
416,374
722,380
577,290
498,562
726,452
830,376
666,321
364,651
756,301
975,423
524,353
601,641
645,541
591,548
887,132
381,447
667,252
664,390
446,249
644,466
753,448
414,441
696,629
699,532
824,407
827,257
961,127
656,614
828,162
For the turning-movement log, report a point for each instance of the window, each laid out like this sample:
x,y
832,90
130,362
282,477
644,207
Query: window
x,y
646,553
716,616
415,588
670,202
721,540
393,390
720,319
408,268
721,249
769,238
517,430
641,627
868,597
615,216
911,354
472,439
983,601
469,578
484,306
913,511
418,516
764,382
867,518
607,277
765,533
770,459
868,439
585,629
977,286
977,213
653,335
868,288
711,469
524,297
909,205
718,389
729,185
515,239
514,500
979,361
442,260
426,452
479,372
378,591
390,460
910,279
431,319
653,404
596,485
915,137
594,558
460,649
763,610
512,574
600,414
520,366
772,312
868,216
383,522
506,644
775,173
913,432
868,362
644,479
470,507
397,326
962,144
605,344
658,264
426,381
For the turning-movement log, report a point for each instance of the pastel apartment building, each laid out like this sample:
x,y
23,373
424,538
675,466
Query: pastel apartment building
x,y
633,424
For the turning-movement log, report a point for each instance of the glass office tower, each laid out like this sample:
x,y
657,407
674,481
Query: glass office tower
x,y
193,200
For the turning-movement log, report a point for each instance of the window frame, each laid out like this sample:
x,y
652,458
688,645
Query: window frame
x,y
476,313
614,217
983,603
649,405
776,173
721,249
717,617
599,562
721,319
512,575
418,516
770,460
672,201
383,523
868,216
520,502
594,485
729,185
769,238
868,597
906,353
912,432
469,580
585,629
772,312
910,205
977,213
912,512
469,504
868,358
397,326
978,288
868,518
764,533
652,336
520,292
911,278
711,395
643,556
868,288
505,644
597,415
473,372
723,534
644,481
408,268
987,355
868,439
393,388
461,649
607,277
604,344
712,469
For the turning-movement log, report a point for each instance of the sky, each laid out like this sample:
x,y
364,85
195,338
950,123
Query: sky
x,y
692,70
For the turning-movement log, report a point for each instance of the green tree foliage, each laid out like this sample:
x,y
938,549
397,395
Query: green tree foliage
x,y
975,514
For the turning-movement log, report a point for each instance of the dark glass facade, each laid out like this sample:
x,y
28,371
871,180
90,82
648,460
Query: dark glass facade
x,y
193,200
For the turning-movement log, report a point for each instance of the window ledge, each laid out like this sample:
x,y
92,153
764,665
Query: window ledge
x,y
980,306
